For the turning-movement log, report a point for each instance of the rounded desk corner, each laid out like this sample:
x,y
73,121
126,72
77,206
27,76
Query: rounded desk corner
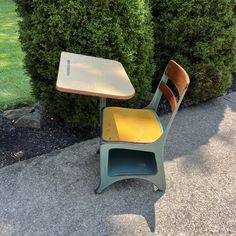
x,y
132,95
63,53
124,97
119,63
58,88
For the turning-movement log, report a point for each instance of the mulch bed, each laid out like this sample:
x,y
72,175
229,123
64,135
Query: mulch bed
x,y
18,144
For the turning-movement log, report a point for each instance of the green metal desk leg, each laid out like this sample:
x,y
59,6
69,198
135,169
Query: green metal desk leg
x,y
101,106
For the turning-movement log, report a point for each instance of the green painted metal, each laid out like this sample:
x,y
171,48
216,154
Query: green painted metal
x,y
102,104
122,162
127,166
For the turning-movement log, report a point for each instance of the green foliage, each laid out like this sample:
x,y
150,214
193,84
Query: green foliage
x,y
201,36
119,30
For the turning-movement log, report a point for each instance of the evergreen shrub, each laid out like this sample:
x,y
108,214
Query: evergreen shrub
x,y
121,30
200,35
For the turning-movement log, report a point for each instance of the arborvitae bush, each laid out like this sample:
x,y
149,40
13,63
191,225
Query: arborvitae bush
x,y
201,36
119,30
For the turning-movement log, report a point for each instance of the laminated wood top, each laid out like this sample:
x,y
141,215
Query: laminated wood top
x,y
93,76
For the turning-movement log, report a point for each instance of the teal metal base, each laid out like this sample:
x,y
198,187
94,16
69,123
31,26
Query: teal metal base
x,y
119,161
131,162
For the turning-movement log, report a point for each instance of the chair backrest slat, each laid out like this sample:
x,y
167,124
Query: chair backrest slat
x,y
180,79
178,76
169,95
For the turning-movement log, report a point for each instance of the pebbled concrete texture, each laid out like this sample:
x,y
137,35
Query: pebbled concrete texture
x,y
53,194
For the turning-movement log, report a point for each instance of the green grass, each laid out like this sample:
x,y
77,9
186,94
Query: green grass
x,y
14,83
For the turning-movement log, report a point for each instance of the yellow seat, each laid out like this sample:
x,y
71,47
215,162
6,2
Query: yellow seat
x,y
130,125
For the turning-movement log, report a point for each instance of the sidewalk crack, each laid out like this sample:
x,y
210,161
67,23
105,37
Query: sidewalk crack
x,y
230,100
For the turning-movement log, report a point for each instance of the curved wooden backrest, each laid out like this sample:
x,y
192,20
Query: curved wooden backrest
x,y
169,95
180,79
177,75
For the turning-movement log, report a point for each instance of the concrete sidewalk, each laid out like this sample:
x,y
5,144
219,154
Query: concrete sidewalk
x,y
54,194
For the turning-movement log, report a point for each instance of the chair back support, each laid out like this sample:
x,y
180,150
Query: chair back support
x,y
178,76
164,88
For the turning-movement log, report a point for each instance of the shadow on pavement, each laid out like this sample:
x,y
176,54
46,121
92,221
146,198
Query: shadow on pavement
x,y
195,126
54,195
